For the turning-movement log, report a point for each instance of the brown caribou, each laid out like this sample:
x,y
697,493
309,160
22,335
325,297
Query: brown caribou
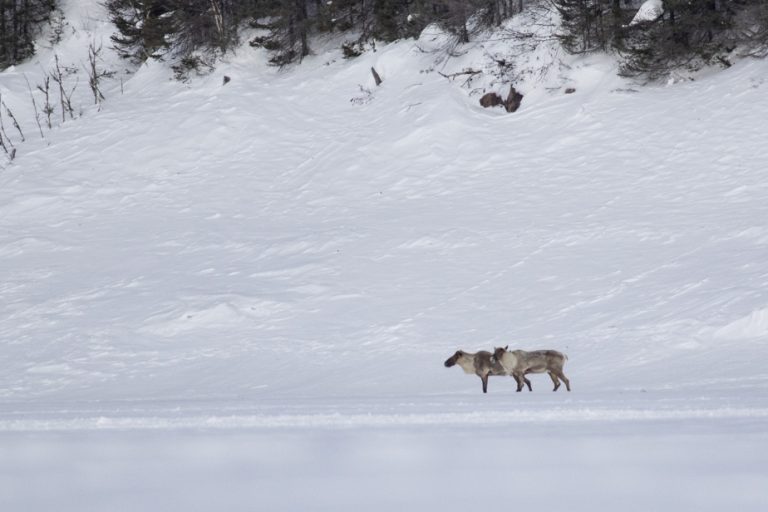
x,y
518,363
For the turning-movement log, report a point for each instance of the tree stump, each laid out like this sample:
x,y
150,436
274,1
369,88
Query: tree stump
x,y
376,77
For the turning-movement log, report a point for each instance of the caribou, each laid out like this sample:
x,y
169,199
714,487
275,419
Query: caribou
x,y
518,363
481,363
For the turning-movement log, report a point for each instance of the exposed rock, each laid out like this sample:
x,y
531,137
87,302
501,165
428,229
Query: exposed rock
x,y
512,102
490,99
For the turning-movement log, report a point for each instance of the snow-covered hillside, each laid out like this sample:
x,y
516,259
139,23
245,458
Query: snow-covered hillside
x,y
239,296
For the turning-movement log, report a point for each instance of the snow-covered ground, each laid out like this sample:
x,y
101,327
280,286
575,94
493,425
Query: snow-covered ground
x,y
240,296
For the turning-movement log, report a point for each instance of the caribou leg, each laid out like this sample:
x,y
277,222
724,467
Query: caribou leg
x,y
563,378
519,379
554,379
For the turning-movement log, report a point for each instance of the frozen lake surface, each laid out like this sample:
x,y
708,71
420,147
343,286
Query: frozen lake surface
x,y
586,451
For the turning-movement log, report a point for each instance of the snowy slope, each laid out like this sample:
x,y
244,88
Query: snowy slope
x,y
259,282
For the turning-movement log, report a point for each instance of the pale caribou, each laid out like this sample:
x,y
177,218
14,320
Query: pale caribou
x,y
518,363
481,363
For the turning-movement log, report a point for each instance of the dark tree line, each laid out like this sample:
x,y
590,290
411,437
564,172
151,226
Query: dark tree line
x,y
19,24
590,25
696,33
688,33
153,28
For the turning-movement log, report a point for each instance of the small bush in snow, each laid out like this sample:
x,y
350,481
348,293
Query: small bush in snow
x,y
352,49
190,64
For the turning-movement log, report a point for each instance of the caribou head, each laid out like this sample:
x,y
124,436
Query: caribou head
x,y
452,360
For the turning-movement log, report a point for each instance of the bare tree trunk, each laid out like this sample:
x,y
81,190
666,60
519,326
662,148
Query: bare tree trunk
x,y
301,12
218,18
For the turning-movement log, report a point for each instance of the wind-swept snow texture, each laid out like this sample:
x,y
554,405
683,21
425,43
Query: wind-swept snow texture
x,y
240,296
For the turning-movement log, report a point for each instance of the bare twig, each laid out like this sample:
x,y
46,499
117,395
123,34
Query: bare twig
x,y
460,73
34,105
2,129
13,118
95,75
5,147
46,90
64,98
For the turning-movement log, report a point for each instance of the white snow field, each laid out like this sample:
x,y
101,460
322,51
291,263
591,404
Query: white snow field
x,y
239,297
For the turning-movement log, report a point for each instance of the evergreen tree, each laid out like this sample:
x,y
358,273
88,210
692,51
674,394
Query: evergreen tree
x,y
589,25
19,24
391,19
154,28
688,33
145,27
207,24
289,22
691,34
